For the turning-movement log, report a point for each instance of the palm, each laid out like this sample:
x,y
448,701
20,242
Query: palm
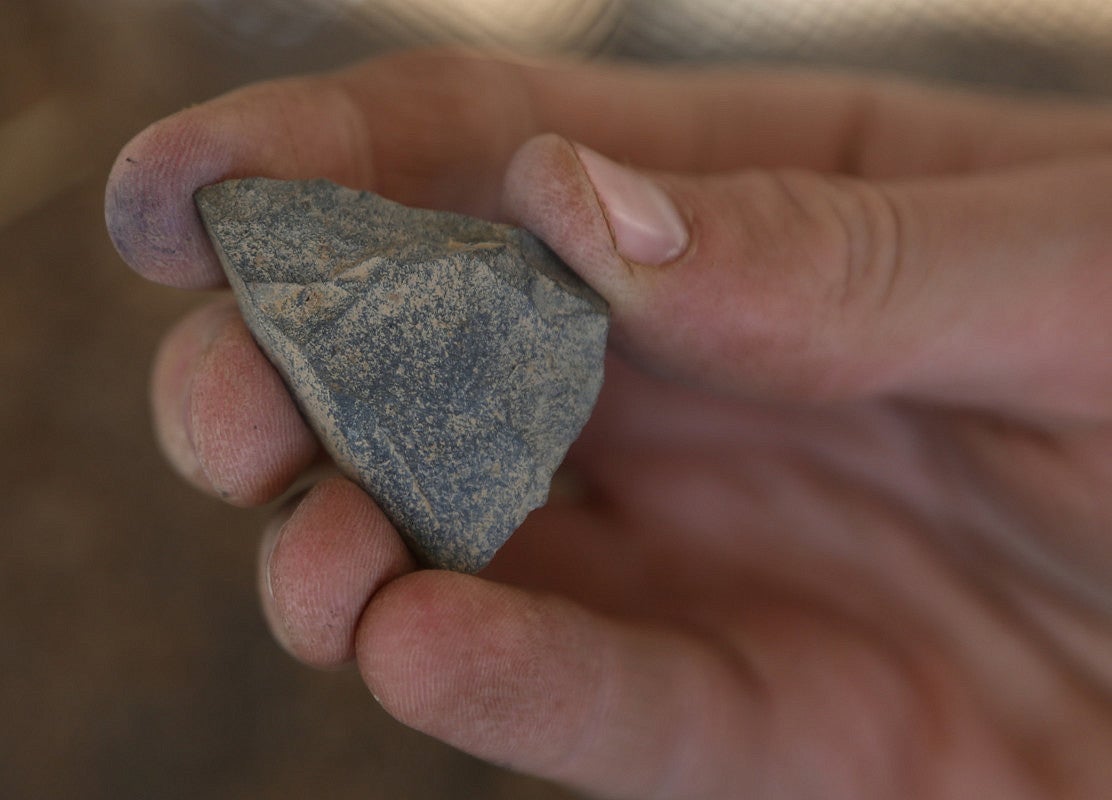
x,y
806,536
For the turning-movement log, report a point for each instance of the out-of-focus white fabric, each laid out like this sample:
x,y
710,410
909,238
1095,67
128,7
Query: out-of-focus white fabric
x,y
1061,45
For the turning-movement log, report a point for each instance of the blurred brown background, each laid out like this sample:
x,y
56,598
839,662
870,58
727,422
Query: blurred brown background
x,y
133,660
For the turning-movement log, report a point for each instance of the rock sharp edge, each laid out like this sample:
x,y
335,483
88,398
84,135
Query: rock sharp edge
x,y
446,363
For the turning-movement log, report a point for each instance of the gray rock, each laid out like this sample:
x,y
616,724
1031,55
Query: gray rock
x,y
445,362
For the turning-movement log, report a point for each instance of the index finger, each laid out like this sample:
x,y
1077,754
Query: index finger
x,y
433,130
438,129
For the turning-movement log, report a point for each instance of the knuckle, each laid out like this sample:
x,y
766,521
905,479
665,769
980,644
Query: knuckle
x,y
853,238
874,228
854,234
786,270
833,246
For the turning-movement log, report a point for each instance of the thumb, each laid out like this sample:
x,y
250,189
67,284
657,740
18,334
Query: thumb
x,y
793,285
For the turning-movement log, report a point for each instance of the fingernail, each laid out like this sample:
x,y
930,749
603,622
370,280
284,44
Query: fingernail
x,y
647,227
272,534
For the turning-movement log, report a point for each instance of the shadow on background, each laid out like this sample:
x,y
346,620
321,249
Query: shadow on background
x,y
134,660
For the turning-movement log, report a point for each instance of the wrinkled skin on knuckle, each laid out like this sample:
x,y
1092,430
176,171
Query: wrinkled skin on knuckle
x,y
766,283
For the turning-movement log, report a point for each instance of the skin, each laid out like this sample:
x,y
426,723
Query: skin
x,y
841,524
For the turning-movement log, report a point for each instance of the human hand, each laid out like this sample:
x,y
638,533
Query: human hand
x,y
841,524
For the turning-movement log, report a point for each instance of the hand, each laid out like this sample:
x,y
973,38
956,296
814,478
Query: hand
x,y
841,525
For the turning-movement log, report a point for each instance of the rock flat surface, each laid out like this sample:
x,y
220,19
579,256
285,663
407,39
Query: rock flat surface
x,y
445,362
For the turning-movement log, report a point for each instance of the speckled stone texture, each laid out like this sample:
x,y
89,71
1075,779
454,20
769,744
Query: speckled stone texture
x,y
446,363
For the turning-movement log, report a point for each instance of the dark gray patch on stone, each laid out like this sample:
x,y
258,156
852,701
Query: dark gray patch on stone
x,y
445,362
